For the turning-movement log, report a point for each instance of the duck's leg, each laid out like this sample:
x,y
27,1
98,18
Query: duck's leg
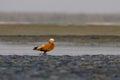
x,y
44,54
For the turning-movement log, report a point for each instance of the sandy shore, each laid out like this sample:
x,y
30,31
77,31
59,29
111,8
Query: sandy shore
x,y
54,29
85,67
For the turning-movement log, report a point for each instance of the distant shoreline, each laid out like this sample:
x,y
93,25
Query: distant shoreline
x,y
59,18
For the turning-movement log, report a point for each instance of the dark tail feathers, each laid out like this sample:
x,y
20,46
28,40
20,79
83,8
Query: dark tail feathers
x,y
34,48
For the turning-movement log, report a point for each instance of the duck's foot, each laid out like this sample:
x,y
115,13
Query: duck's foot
x,y
43,54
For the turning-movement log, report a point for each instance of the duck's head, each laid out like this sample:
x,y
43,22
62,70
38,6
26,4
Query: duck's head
x,y
51,40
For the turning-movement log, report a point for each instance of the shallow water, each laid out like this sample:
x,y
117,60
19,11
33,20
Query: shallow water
x,y
62,48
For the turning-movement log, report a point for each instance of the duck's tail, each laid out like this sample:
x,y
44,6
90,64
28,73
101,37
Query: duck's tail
x,y
34,48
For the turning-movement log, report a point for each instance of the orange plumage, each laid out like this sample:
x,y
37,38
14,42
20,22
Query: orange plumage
x,y
46,47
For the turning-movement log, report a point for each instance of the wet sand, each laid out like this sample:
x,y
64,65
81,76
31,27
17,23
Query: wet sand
x,y
85,67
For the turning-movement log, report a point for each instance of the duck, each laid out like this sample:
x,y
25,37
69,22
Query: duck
x,y
46,47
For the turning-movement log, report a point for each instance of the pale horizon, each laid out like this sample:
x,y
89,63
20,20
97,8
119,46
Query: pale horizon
x,y
61,6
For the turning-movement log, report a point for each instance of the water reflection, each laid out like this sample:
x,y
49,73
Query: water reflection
x,y
62,48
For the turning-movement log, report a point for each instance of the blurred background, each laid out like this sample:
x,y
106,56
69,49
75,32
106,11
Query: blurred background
x,y
79,27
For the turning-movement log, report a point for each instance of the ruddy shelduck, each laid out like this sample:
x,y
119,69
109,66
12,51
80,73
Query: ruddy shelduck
x,y
46,47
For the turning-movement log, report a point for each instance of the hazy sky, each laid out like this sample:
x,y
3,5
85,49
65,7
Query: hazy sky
x,y
69,6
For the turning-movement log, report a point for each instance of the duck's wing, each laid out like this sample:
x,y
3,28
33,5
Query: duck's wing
x,y
45,47
41,47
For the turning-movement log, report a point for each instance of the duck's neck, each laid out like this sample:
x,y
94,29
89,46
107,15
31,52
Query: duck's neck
x,y
50,42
